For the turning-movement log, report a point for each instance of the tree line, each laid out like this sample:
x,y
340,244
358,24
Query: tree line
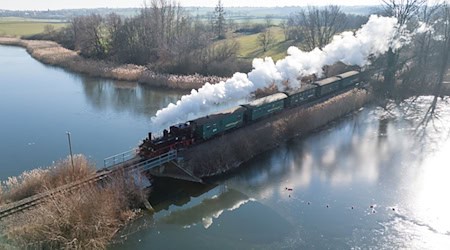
x,y
163,36
168,39
424,63
314,27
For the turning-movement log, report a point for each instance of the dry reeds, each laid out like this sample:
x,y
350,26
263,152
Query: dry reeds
x,y
54,54
39,180
87,218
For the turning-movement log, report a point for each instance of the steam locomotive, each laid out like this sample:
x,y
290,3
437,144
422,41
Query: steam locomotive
x,y
204,128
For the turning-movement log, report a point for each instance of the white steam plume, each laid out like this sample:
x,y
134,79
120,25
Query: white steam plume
x,y
374,38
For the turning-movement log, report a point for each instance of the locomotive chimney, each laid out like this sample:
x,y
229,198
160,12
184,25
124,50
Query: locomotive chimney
x,y
150,136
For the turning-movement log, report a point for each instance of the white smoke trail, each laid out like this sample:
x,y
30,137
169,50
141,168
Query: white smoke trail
x,y
374,38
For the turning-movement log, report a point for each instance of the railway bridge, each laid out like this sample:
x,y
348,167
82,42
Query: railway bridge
x,y
128,161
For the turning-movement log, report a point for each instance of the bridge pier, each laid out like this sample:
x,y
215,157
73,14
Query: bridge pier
x,y
175,170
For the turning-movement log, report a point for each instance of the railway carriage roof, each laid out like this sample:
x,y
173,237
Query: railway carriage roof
x,y
348,74
301,89
328,80
218,115
267,99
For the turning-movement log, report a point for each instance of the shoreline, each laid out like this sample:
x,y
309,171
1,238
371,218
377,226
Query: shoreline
x,y
51,53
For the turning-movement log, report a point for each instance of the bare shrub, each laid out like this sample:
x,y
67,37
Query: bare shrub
x,y
187,82
39,180
87,218
54,54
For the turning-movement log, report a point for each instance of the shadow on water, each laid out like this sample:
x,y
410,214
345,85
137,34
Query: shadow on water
x,y
168,192
341,187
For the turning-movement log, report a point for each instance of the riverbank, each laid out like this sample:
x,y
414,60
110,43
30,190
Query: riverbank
x,y
52,53
90,217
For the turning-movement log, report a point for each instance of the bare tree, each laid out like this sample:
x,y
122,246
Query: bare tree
x,y
445,46
420,69
404,11
162,36
113,23
266,38
317,26
89,38
219,21
285,28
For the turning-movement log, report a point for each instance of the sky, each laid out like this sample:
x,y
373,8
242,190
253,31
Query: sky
x,y
77,4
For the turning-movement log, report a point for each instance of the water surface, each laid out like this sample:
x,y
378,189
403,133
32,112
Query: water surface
x,y
376,179
39,103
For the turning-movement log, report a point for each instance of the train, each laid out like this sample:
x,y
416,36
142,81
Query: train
x,y
184,135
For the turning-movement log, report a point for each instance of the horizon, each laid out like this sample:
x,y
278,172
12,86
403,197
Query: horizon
x,y
44,5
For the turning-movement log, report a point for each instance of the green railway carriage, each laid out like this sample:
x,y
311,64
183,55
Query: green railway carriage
x,y
211,125
304,94
327,85
264,106
350,78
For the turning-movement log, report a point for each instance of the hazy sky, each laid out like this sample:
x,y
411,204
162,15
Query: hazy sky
x,y
72,4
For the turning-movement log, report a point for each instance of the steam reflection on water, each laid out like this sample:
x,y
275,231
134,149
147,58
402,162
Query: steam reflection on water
x,y
375,179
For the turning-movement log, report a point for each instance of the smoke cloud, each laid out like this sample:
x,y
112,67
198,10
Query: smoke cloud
x,y
352,48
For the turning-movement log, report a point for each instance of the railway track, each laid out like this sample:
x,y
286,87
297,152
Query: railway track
x,y
32,201
132,164
37,199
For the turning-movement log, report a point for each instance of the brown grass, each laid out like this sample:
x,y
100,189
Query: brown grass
x,y
39,180
88,218
54,54
229,151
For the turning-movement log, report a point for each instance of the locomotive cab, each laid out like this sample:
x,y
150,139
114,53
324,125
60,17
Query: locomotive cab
x,y
176,137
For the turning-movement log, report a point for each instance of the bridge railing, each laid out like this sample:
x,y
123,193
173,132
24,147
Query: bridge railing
x,y
119,158
156,161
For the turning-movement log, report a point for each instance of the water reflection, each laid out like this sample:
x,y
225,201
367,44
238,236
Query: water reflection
x,y
208,209
380,157
39,103
366,181
123,96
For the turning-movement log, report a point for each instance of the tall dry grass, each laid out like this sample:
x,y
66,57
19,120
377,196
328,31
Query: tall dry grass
x,y
39,180
52,53
88,218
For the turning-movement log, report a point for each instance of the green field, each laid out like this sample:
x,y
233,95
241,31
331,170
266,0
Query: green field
x,y
250,48
12,26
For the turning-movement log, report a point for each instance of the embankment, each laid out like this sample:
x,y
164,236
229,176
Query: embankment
x,y
87,217
52,53
220,155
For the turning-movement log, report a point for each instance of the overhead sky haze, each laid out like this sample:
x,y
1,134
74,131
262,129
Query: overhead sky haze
x,y
77,4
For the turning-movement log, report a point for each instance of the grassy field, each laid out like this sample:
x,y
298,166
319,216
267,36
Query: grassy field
x,y
12,26
250,48
249,45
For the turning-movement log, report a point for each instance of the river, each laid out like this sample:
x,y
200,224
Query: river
x,y
40,103
375,179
